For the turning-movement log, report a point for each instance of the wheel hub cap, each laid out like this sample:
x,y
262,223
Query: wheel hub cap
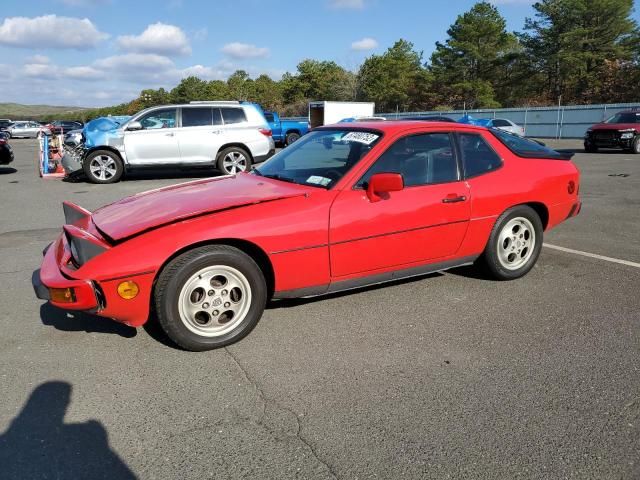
x,y
516,243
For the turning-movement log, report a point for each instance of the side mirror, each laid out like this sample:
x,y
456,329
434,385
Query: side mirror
x,y
381,184
133,126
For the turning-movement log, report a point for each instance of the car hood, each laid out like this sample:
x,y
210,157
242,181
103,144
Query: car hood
x,y
155,208
615,126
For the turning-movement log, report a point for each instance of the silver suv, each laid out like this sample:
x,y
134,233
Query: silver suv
x,y
230,136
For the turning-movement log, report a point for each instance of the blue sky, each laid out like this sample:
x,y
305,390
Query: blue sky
x,y
101,52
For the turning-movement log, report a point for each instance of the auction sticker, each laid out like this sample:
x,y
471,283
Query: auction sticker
x,y
362,137
318,180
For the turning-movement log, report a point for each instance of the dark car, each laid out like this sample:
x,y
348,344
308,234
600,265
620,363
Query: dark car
x,y
6,153
62,126
4,124
622,131
429,118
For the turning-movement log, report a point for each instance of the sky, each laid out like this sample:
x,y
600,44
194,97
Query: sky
x,y
104,52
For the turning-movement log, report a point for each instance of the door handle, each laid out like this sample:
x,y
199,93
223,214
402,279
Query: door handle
x,y
168,134
217,132
454,198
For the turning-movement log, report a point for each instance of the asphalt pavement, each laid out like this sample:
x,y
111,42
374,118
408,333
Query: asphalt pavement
x,y
446,376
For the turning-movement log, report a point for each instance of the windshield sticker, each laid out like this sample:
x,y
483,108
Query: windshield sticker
x,y
318,180
362,137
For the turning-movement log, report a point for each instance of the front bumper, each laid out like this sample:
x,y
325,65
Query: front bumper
x,y
610,139
72,164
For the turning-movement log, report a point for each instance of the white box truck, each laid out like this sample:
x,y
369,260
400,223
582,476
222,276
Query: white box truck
x,y
326,113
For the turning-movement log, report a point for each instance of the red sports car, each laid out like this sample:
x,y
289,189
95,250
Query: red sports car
x,y
343,207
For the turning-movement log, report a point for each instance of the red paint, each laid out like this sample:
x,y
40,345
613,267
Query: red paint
x,y
311,236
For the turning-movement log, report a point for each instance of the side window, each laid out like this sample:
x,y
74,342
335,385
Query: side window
x,y
269,117
196,116
500,123
233,115
477,156
420,159
165,118
217,116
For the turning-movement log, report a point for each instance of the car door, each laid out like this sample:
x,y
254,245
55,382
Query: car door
x,y
156,142
425,221
32,129
200,136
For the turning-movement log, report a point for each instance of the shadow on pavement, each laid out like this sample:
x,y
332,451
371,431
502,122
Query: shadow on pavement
x,y
38,444
7,170
82,322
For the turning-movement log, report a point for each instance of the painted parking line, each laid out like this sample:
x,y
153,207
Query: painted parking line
x,y
592,255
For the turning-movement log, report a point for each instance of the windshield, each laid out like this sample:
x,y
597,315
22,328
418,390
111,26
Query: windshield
x,y
628,117
320,158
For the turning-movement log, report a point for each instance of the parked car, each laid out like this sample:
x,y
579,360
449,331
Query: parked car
x,y
5,123
621,131
58,127
6,153
73,138
362,119
506,125
429,118
230,136
28,129
343,207
285,131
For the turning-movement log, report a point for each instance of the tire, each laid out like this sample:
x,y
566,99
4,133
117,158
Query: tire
x,y
590,148
233,160
210,297
103,166
292,137
635,146
514,244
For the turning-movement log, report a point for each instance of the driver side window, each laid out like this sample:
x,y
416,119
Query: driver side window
x,y
421,160
165,118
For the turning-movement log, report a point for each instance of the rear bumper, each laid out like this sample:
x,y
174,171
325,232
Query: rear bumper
x,y
262,158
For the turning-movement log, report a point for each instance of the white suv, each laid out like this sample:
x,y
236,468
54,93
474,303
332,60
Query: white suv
x,y
230,136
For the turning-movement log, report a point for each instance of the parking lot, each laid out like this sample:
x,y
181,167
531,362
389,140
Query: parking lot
x,y
445,376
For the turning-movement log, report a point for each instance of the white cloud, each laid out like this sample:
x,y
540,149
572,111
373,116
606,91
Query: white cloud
x,y
244,50
50,31
37,59
367,43
38,70
83,72
347,4
159,38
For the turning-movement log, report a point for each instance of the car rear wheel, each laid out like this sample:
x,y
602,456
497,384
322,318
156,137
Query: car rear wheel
x,y
233,160
103,166
514,245
292,137
210,297
590,148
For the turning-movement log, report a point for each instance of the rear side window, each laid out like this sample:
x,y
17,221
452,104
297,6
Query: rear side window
x,y
196,117
233,115
269,117
526,148
477,156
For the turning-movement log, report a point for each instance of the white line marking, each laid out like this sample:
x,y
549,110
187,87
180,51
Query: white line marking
x,y
593,255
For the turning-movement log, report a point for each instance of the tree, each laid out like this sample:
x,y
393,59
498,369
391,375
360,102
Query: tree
x,y
240,85
569,43
395,79
470,67
190,88
267,92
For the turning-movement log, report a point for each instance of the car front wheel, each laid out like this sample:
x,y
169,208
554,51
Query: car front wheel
x,y
514,244
103,166
210,297
635,146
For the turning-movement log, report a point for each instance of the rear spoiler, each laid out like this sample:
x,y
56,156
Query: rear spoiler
x,y
74,214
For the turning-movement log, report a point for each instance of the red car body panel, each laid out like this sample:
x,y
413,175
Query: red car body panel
x,y
313,239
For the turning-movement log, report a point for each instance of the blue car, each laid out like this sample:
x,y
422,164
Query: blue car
x,y
285,131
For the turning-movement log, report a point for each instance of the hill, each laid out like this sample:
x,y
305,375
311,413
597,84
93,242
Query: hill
x,y
17,111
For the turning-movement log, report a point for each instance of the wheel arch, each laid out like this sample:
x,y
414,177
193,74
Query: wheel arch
x,y
235,144
293,130
251,249
104,147
542,210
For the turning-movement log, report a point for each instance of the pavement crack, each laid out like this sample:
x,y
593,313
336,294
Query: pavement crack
x,y
265,401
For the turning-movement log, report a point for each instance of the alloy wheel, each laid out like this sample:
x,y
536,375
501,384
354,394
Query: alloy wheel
x,y
103,167
234,162
516,243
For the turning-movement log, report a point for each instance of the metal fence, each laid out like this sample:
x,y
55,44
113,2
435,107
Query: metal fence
x,y
543,122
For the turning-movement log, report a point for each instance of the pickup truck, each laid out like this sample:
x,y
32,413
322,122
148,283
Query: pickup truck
x,y
285,131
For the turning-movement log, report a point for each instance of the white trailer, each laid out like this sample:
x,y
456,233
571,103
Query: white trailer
x,y
326,113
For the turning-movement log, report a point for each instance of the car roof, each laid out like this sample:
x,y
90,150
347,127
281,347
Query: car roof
x,y
403,125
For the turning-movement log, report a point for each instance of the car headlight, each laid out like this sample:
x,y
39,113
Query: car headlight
x,y
627,135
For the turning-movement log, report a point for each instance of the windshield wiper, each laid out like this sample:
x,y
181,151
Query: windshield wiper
x,y
277,176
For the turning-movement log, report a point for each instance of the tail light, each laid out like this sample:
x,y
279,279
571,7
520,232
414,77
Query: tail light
x,y
2,141
571,187
266,132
